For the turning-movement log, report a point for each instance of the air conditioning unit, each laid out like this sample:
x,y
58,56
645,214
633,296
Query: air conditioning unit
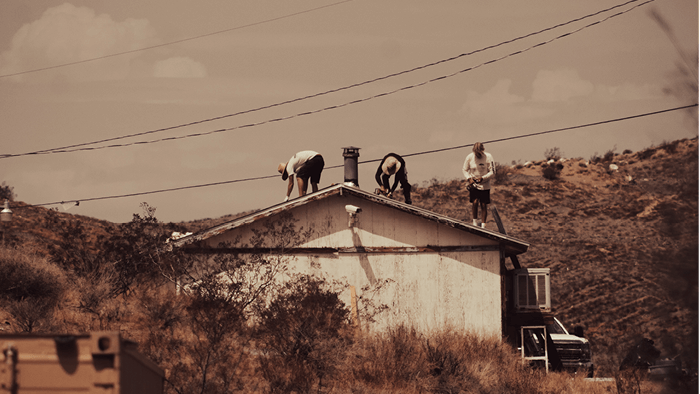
x,y
531,289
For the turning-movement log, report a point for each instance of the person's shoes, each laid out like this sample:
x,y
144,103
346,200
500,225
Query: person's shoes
x,y
475,223
483,225
408,202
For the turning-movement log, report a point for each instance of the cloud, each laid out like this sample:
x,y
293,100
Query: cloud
x,y
66,34
559,85
498,96
628,92
499,106
179,67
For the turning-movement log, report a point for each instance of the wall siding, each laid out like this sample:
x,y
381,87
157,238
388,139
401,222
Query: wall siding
x,y
427,290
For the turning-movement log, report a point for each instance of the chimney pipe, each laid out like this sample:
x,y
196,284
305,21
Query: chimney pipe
x,y
351,154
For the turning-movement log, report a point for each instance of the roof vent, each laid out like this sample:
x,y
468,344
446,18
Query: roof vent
x,y
351,154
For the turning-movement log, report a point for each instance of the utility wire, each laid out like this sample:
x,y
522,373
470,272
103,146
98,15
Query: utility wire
x,y
73,148
376,160
173,42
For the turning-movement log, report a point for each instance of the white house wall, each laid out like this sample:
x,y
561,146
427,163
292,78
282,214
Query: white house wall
x,y
426,290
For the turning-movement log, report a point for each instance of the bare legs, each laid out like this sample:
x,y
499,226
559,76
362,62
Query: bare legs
x,y
304,185
475,210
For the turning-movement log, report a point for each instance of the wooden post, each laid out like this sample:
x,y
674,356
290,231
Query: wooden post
x,y
497,219
502,230
353,305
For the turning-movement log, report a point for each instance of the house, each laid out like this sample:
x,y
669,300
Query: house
x,y
431,271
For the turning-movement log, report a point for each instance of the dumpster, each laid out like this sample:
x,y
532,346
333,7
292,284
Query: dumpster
x,y
98,362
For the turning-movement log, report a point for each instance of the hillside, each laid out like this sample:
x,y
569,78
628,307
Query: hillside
x,y
621,241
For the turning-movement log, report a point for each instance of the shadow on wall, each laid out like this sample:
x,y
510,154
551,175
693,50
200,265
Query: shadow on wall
x,y
364,261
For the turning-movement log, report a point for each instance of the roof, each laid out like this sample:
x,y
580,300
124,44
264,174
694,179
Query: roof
x,y
512,245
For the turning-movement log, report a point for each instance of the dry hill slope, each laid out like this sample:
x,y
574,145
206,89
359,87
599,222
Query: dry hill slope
x,y
621,241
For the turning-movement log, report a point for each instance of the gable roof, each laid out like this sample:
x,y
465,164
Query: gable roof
x,y
512,245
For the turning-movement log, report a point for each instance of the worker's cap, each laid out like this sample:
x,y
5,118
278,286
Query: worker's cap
x,y
391,166
282,169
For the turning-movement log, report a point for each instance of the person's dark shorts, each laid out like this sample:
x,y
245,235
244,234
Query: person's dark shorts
x,y
312,169
484,196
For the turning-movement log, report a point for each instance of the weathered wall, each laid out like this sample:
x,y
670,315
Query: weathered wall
x,y
427,290
377,226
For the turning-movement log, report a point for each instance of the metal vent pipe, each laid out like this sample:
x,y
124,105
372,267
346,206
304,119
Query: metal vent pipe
x,y
351,154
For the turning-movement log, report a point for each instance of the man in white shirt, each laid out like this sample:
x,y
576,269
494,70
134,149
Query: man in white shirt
x,y
479,168
306,165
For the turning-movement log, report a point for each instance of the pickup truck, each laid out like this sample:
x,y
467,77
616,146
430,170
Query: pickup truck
x,y
574,351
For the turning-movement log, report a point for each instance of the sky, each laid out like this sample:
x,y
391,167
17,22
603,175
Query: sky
x,y
240,84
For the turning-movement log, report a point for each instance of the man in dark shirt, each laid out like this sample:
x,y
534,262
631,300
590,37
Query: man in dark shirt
x,y
393,164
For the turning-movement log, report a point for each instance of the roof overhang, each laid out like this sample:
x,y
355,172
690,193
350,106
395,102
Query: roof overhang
x,y
512,245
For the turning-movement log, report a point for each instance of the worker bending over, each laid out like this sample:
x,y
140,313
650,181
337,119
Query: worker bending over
x,y
393,164
306,165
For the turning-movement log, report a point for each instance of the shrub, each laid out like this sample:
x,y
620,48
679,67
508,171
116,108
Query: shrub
x,y
30,288
74,252
31,314
393,359
647,153
500,174
6,193
553,154
303,331
669,147
609,155
136,249
25,276
402,360
552,171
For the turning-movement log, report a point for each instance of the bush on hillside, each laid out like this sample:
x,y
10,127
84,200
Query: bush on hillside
x,y
552,171
609,155
32,315
553,154
6,193
402,360
25,276
136,250
75,252
30,289
302,332
500,174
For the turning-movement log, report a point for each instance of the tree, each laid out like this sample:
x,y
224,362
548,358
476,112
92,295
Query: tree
x,y
137,250
204,338
303,330
684,84
7,192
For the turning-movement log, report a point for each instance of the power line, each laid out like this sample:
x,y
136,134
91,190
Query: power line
x,y
560,129
173,42
598,123
77,147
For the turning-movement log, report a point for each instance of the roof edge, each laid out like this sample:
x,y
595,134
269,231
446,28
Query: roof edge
x,y
512,245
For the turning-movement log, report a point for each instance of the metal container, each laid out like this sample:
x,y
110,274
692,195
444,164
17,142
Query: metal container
x,y
100,362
